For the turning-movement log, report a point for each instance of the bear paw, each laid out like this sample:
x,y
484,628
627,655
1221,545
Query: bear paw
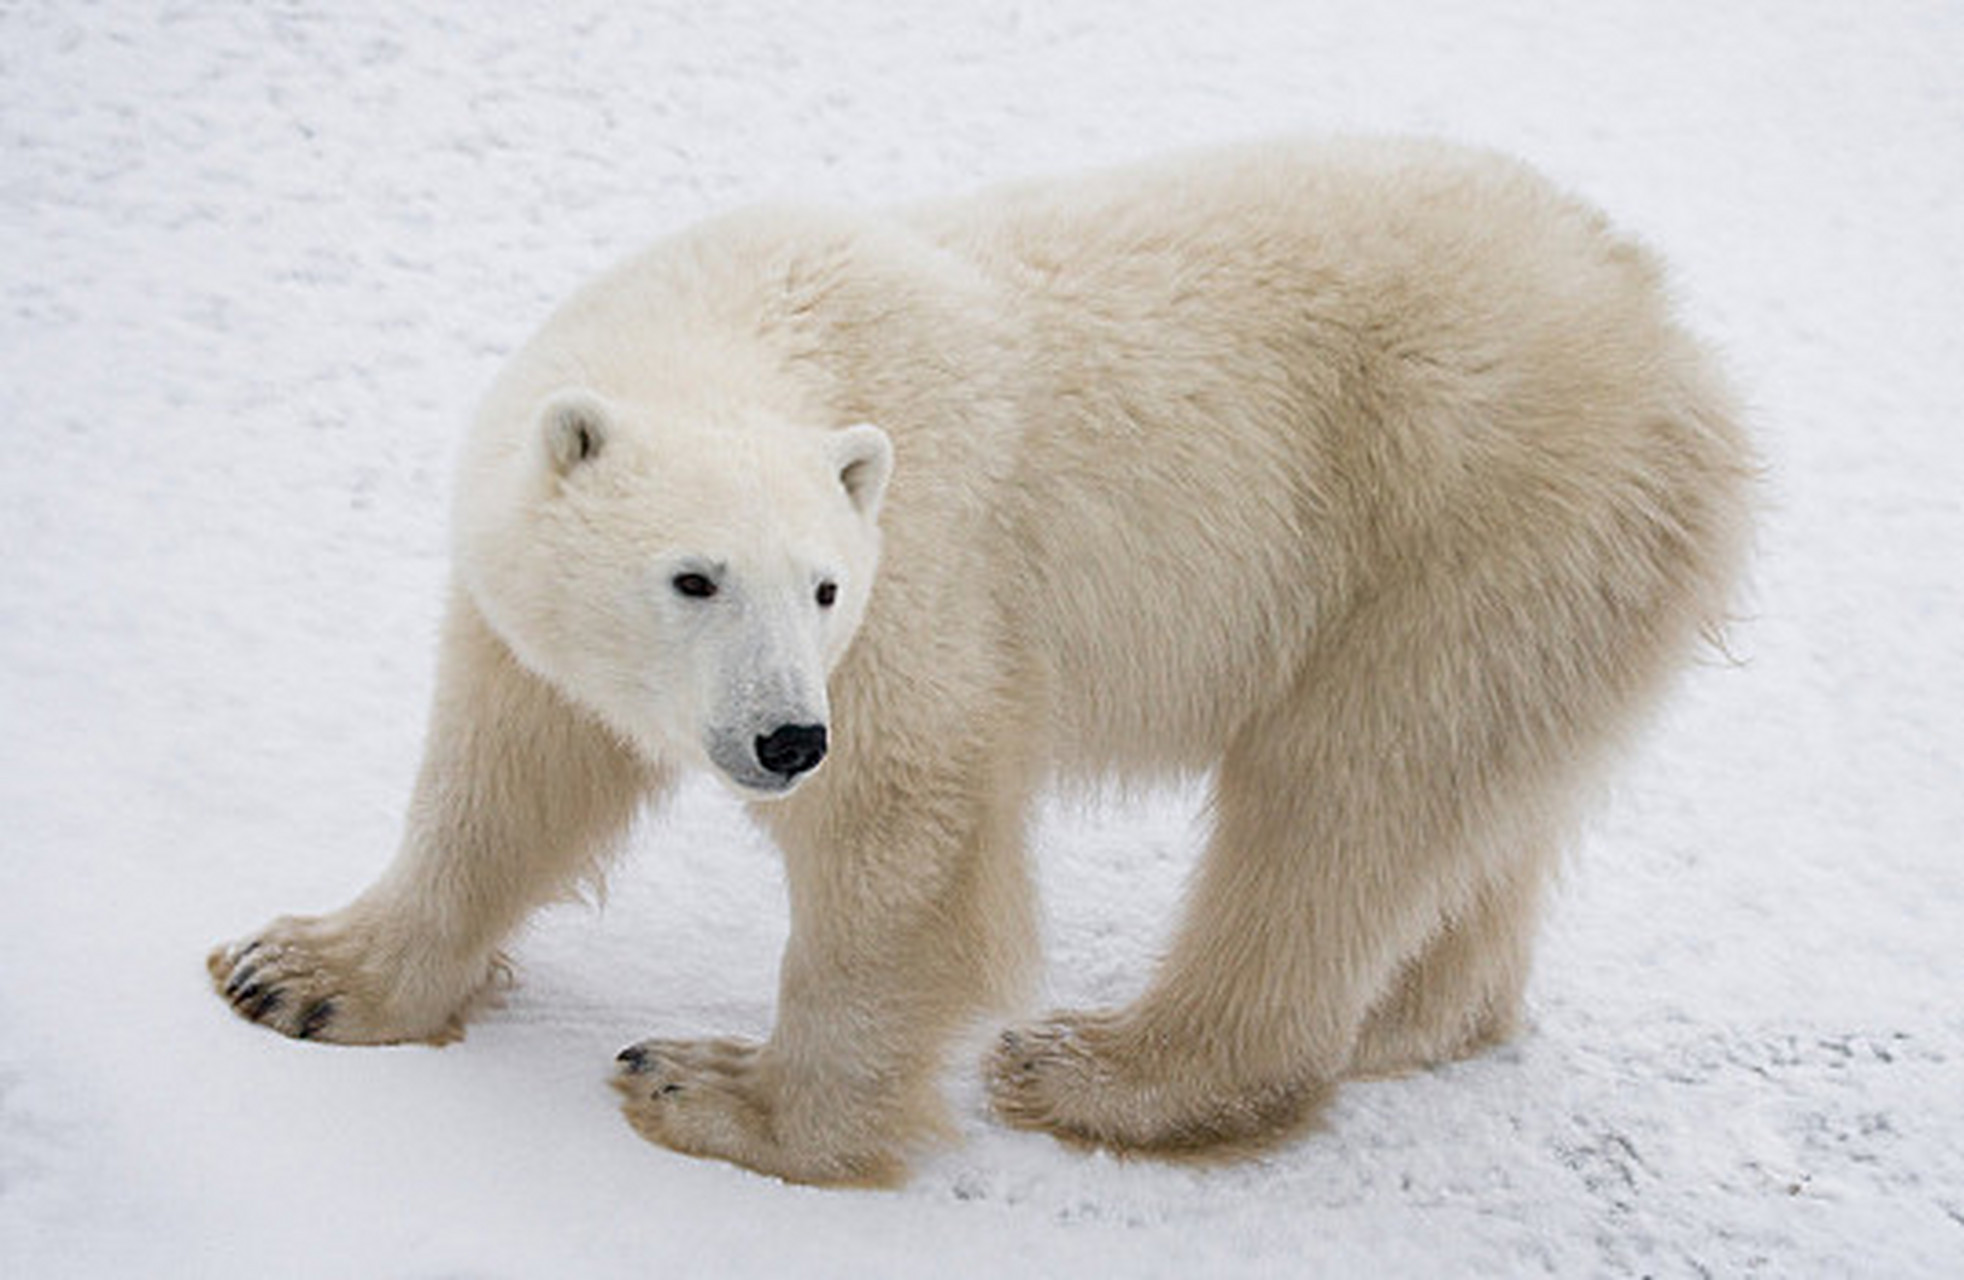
x,y
311,979
713,1098
1094,1079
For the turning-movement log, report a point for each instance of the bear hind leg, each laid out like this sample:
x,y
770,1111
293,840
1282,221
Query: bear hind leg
x,y
1462,993
1293,927
1351,819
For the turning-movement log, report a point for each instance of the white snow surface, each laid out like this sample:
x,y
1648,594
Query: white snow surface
x,y
258,260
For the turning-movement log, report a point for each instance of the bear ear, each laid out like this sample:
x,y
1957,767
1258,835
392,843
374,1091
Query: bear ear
x,y
574,426
862,456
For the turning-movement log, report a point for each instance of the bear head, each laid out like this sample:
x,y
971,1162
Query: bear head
x,y
692,583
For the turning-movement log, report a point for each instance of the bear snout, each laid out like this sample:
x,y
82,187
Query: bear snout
x,y
791,749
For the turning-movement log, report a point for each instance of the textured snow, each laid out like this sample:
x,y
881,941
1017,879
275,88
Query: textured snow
x,y
256,261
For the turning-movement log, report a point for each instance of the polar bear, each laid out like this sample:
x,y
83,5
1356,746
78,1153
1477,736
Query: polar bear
x,y
1372,480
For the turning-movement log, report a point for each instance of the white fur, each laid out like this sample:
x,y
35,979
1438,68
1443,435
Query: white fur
x,y
1373,477
571,551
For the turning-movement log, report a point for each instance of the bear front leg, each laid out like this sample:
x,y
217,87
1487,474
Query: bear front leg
x,y
518,794
912,919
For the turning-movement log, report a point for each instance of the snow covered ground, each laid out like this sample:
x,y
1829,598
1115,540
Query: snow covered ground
x,y
256,261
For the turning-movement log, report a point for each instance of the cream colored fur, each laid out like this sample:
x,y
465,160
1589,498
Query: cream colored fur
x,y
1373,477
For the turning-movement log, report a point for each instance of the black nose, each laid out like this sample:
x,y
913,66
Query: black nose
x,y
791,749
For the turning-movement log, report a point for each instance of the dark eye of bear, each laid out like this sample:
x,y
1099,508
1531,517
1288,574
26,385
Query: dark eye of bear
x,y
827,593
694,585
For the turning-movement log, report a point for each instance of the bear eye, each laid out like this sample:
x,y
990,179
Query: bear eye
x,y
826,594
695,586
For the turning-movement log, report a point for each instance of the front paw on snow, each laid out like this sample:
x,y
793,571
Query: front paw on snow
x,y
264,982
657,1069
694,1096
715,1098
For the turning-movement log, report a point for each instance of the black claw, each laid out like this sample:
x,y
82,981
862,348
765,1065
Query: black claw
x,y
318,1015
241,982
668,1089
246,995
267,1003
634,1056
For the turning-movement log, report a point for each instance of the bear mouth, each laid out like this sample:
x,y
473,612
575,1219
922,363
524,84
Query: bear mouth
x,y
758,785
